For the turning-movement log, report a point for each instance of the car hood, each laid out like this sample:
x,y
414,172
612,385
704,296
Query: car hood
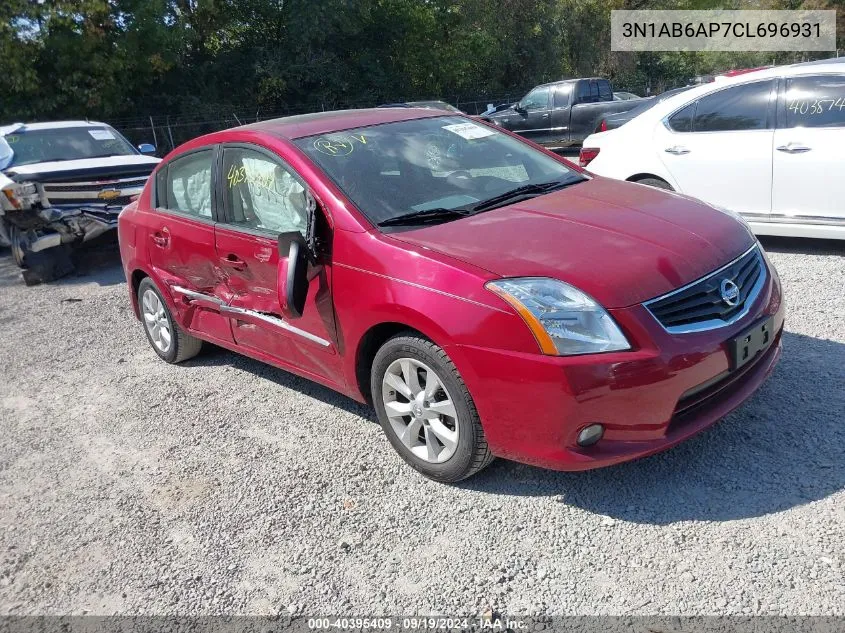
x,y
619,242
499,112
108,166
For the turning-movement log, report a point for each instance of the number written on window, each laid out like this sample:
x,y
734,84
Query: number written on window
x,y
816,101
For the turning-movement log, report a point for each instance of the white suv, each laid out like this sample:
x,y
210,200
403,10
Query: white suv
x,y
766,144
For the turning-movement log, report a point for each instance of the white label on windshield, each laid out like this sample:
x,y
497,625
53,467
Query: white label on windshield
x,y
469,131
101,135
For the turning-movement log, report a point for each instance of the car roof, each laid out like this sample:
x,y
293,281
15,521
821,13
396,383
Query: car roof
x,y
668,106
55,125
569,81
301,125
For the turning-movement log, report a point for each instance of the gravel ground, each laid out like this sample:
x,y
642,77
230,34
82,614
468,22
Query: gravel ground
x,y
225,486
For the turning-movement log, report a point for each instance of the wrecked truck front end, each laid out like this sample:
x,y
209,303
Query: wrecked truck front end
x,y
62,184
68,209
44,214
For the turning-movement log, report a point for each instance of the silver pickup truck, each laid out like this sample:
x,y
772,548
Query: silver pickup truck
x,y
63,183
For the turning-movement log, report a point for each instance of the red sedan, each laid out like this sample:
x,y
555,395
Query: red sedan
x,y
486,296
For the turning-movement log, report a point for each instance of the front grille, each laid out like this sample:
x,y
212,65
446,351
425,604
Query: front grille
x,y
81,192
700,305
96,187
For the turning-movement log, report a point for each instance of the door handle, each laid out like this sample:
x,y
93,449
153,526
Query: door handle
x,y
161,238
233,261
677,150
546,115
793,148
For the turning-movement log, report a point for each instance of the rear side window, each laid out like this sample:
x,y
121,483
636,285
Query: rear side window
x,y
815,101
562,96
588,92
681,121
188,184
605,93
738,108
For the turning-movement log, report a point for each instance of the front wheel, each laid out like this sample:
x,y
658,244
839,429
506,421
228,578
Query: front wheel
x,y
19,245
426,411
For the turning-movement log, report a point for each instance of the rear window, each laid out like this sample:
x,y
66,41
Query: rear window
x,y
815,101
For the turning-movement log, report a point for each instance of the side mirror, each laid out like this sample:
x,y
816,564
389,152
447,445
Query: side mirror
x,y
292,273
519,108
147,148
6,153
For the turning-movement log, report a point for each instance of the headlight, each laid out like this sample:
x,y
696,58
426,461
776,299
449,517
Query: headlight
x,y
564,320
20,195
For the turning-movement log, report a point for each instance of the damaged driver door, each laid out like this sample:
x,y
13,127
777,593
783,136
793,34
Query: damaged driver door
x,y
263,198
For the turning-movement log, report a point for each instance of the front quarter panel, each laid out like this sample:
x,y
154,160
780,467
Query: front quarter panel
x,y
378,280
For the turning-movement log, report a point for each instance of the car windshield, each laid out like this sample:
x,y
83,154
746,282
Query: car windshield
x,y
66,143
439,163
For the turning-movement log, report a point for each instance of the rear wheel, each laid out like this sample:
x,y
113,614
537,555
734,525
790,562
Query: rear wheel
x,y
657,183
169,341
426,411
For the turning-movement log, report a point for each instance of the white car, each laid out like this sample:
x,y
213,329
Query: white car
x,y
766,144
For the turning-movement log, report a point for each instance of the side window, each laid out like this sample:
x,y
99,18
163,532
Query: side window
x,y
605,93
583,91
561,99
262,194
815,101
188,184
537,99
681,121
734,109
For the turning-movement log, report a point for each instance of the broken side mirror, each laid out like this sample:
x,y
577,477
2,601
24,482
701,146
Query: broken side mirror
x,y
6,153
292,274
296,252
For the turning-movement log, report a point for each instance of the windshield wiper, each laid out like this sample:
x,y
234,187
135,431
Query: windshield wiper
x,y
522,192
425,215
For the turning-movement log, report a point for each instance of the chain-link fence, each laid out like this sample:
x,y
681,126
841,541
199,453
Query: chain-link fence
x,y
167,132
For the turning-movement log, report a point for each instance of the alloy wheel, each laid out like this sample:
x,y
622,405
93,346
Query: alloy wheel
x,y
156,321
420,410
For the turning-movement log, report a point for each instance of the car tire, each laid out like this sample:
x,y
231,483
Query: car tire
x,y
657,183
441,435
18,246
169,341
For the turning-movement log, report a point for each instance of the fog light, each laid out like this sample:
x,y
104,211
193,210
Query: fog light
x,y
589,435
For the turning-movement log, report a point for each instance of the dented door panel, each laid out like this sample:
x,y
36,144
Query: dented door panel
x,y
182,253
249,263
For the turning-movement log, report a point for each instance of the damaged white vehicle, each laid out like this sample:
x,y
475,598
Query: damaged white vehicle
x,y
63,183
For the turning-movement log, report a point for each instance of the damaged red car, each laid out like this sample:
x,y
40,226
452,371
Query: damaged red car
x,y
486,296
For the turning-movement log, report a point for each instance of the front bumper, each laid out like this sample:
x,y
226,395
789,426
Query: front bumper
x,y
667,389
62,224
